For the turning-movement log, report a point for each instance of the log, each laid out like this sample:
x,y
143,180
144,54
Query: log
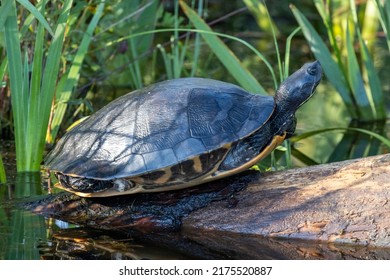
x,y
345,202
337,210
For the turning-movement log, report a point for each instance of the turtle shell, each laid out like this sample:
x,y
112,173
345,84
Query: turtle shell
x,y
167,126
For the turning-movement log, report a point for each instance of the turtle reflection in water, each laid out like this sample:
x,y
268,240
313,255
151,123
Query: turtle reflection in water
x,y
176,134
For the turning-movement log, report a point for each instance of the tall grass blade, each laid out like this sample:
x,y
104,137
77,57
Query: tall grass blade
x,y
144,19
287,54
5,8
355,144
273,32
224,54
326,15
37,15
197,43
259,10
36,140
3,177
384,17
167,61
177,65
362,146
35,89
3,69
207,32
330,67
31,109
382,139
27,24
303,158
356,82
134,66
374,88
74,73
15,71
370,23
343,148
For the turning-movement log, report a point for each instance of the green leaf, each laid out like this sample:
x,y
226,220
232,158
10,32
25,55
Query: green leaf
x,y
384,17
52,65
5,8
374,89
36,14
3,177
373,81
31,100
3,69
259,10
34,113
355,144
74,72
330,67
356,82
15,72
302,136
302,157
246,44
287,54
224,54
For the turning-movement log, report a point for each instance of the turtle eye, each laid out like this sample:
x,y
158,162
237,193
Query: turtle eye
x,y
312,70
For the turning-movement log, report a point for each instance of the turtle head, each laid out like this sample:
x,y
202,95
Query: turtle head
x,y
298,87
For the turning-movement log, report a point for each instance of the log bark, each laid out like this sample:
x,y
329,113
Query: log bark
x,y
344,202
265,215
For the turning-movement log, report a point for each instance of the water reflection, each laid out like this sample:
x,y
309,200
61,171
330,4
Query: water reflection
x,y
352,144
93,244
20,231
88,243
357,145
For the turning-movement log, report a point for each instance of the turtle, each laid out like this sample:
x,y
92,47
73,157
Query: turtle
x,y
176,134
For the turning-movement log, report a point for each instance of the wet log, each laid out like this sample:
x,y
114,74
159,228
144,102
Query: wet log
x,y
336,204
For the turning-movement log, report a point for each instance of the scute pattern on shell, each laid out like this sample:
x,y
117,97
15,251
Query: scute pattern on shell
x,y
159,126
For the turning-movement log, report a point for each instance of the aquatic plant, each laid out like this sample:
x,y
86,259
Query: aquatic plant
x,y
357,83
33,74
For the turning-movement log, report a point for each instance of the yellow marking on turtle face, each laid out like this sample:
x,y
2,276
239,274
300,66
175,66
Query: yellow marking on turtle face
x,y
197,164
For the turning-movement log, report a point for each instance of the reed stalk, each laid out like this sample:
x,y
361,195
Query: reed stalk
x,y
32,92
